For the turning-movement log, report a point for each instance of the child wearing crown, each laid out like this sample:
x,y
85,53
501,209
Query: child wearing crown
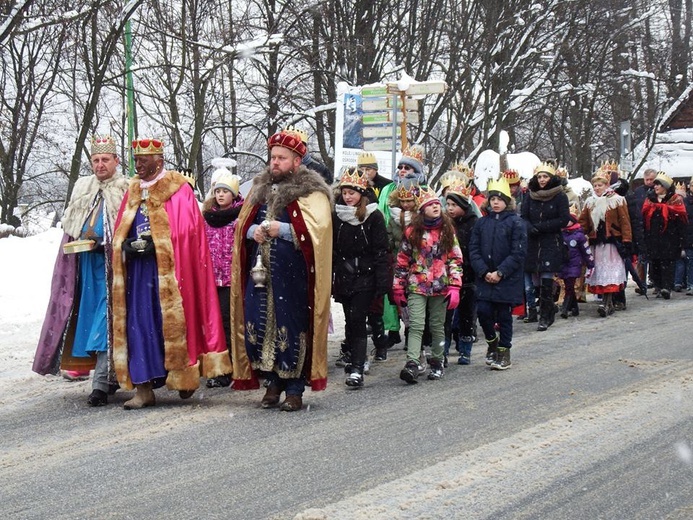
x,y
497,250
460,322
359,265
220,211
428,278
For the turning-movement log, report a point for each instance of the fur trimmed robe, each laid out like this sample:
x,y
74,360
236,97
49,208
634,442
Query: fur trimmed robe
x,y
307,199
54,350
191,318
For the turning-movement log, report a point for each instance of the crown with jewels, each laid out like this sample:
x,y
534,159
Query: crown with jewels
x,y
601,175
148,146
609,166
103,144
512,176
464,169
352,178
290,140
303,136
425,197
189,176
451,177
545,167
415,152
562,172
680,187
407,193
460,188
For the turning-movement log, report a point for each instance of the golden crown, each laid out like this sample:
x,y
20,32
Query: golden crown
x,y
451,177
465,169
103,144
545,167
664,180
352,178
406,194
602,176
460,188
147,146
501,185
189,175
415,151
512,176
562,171
680,186
367,159
425,196
303,136
609,166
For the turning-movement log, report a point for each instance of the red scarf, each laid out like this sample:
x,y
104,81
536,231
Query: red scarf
x,y
674,205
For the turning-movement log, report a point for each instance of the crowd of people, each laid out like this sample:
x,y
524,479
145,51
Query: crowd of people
x,y
150,288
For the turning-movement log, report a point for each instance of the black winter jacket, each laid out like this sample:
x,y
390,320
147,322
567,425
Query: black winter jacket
x,y
463,228
360,256
545,219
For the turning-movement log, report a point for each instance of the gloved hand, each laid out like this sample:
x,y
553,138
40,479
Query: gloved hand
x,y
533,231
453,297
136,251
683,254
398,297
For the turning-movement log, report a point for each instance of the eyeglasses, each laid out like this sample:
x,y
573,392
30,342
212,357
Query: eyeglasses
x,y
404,167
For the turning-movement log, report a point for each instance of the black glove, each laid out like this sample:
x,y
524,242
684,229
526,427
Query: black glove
x,y
139,250
533,230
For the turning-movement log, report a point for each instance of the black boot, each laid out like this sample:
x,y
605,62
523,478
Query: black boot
x,y
532,316
492,350
354,375
344,355
575,309
547,309
567,305
502,359
380,340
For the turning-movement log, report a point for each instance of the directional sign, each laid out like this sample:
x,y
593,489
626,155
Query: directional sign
x,y
379,118
385,103
373,145
373,90
380,131
418,88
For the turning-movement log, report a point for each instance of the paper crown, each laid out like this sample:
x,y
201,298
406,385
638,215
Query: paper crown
x,y
562,172
512,176
189,175
464,169
601,176
680,187
609,166
353,179
407,193
103,144
500,186
451,177
367,160
663,179
545,167
289,140
147,146
425,197
413,156
303,136
459,188
574,210
228,181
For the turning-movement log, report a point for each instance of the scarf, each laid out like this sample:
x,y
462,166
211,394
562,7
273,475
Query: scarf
x,y
432,223
221,217
547,194
347,214
673,205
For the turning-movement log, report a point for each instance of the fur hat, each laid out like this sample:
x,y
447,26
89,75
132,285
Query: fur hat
x,y
499,188
663,179
103,144
413,156
229,181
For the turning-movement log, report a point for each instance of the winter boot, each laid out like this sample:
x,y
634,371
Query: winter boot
x,y
567,305
547,308
144,397
606,307
502,361
532,316
410,372
393,338
492,350
465,350
575,309
354,376
380,340
436,372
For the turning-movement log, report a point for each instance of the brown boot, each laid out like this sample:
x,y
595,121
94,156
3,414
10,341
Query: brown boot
x,y
144,397
185,394
272,395
292,403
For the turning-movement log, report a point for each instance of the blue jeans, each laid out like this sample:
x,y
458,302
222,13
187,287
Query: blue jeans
x,y
491,313
530,294
684,271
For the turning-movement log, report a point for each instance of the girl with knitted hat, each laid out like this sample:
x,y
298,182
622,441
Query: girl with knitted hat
x,y
664,221
220,211
428,277
606,222
359,265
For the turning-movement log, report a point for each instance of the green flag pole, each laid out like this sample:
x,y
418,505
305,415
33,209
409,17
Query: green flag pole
x,y
130,93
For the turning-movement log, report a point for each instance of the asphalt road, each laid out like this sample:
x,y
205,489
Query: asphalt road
x,y
594,420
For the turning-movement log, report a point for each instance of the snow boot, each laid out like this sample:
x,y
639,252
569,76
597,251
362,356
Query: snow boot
x,y
410,372
492,350
502,361
547,308
144,397
532,316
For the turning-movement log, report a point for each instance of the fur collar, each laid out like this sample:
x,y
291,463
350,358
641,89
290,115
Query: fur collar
x,y
83,195
598,206
279,195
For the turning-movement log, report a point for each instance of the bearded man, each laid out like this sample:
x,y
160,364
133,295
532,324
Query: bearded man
x,y
76,333
282,271
167,324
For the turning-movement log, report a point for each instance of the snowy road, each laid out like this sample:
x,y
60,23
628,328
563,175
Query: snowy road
x,y
594,420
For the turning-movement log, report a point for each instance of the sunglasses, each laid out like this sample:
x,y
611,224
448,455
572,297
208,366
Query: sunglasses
x,y
145,143
404,167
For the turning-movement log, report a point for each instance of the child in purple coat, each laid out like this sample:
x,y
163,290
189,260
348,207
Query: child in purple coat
x,y
579,254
